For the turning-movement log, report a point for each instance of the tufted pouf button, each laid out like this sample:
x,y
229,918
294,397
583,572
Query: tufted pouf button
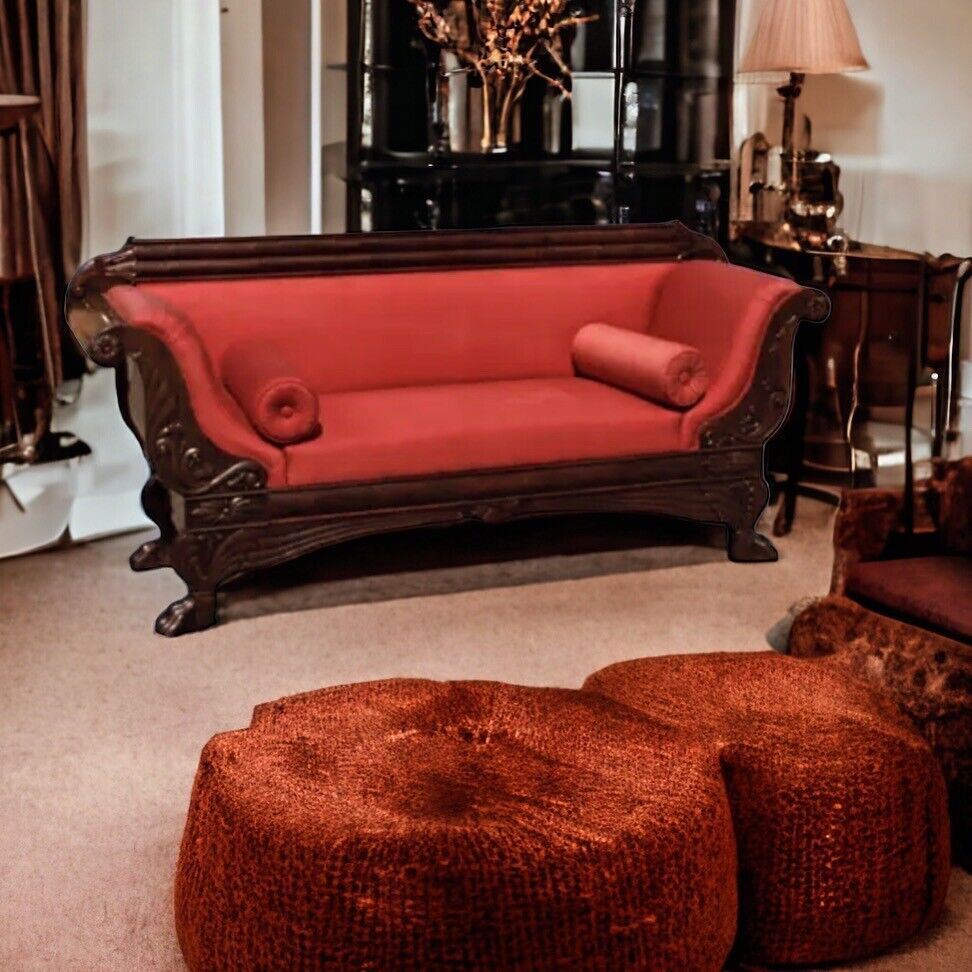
x,y
839,805
414,826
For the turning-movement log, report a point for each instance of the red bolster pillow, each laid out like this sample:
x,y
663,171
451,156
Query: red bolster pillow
x,y
664,371
278,404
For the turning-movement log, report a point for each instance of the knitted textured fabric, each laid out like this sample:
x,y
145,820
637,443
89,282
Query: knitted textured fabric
x,y
839,805
416,825
928,675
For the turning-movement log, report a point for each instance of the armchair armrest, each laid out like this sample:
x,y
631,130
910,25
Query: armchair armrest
x,y
730,313
868,520
865,520
950,490
218,416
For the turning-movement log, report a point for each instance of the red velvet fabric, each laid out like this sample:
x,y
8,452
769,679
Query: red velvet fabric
x,y
665,371
266,386
932,592
477,425
445,332
724,312
218,415
391,330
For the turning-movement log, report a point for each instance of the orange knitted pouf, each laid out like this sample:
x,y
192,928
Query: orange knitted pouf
x,y
839,805
414,826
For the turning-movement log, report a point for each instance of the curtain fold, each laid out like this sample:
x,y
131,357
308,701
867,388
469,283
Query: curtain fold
x,y
41,165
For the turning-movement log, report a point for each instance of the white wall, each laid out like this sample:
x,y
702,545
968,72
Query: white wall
x,y
288,75
333,103
244,173
901,132
154,120
155,169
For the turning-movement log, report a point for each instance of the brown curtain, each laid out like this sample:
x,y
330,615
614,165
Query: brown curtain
x,y
42,54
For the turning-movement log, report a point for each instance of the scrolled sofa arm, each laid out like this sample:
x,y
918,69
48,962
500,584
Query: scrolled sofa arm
x,y
731,314
218,416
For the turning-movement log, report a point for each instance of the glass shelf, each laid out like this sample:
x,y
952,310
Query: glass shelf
x,y
671,62
635,72
366,67
474,167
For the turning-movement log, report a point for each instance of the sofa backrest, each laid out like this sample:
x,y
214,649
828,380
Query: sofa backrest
x,y
381,330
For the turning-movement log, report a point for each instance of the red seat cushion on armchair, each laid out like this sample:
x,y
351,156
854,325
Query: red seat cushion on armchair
x,y
477,425
933,592
265,385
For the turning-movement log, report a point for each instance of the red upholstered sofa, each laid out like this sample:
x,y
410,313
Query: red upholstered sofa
x,y
292,392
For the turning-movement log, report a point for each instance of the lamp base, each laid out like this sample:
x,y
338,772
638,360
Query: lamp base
x,y
789,93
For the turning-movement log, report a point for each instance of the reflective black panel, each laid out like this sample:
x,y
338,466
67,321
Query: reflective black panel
x,y
645,135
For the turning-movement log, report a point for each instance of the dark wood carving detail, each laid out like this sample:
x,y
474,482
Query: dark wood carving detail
x,y
178,453
106,347
765,406
218,519
754,421
207,559
182,461
155,553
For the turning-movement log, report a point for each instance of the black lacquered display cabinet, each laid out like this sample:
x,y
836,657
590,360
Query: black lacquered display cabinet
x,y
644,137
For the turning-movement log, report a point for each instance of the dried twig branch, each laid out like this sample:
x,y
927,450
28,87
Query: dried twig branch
x,y
503,37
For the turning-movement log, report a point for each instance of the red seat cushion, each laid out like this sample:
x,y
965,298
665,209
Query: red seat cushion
x,y
422,430
933,592
667,372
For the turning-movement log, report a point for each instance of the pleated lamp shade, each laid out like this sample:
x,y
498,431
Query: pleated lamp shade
x,y
805,37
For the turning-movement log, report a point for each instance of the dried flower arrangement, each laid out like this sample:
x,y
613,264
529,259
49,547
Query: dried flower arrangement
x,y
505,43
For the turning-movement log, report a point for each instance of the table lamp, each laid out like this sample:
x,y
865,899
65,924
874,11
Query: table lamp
x,y
801,37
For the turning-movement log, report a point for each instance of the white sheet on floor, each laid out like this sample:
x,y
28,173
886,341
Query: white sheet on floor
x,y
79,499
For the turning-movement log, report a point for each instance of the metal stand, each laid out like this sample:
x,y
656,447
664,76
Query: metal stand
x,y
38,444
623,160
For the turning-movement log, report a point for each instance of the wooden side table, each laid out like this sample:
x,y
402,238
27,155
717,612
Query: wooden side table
x,y
15,108
865,356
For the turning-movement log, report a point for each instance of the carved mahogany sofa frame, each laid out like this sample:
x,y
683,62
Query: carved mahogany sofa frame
x,y
217,518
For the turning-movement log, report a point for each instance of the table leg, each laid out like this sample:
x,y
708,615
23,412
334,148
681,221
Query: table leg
x,y
783,522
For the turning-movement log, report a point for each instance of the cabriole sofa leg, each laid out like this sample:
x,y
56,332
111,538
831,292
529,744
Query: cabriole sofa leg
x,y
150,555
745,546
739,504
194,612
155,553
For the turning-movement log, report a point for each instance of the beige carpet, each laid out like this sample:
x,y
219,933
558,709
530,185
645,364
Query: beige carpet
x,y
103,721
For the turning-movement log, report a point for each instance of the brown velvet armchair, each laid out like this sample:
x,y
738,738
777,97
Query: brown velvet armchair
x,y
899,614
